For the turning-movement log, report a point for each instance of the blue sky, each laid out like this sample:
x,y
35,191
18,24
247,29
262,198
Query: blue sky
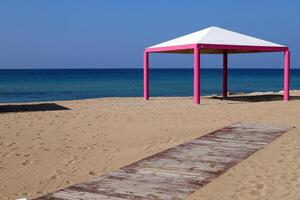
x,y
113,34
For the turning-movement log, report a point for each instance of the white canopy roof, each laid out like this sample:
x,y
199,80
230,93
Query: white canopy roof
x,y
217,36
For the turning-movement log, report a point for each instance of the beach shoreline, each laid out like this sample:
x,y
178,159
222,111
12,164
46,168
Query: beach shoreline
x,y
155,97
50,150
67,84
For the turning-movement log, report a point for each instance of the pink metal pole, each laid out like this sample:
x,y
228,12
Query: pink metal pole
x,y
146,75
286,75
197,75
225,71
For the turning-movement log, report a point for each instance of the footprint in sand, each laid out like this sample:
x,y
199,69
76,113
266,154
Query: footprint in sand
x,y
5,154
59,171
259,186
280,161
254,192
39,192
47,149
18,134
92,173
11,144
84,147
26,162
294,178
53,177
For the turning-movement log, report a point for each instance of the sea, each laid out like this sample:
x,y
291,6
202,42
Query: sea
x,y
37,85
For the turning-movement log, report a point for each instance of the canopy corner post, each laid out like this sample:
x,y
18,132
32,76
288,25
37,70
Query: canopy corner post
x,y
197,74
225,73
146,75
286,75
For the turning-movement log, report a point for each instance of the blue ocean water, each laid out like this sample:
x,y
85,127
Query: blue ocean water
x,y
32,85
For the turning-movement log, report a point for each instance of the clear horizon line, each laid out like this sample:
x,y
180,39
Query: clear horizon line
x,y
140,68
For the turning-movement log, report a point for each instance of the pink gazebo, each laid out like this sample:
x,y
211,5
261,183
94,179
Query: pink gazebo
x,y
214,40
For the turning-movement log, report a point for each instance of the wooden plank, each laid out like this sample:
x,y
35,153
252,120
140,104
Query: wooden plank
x,y
244,136
165,163
177,172
75,195
225,144
204,154
142,183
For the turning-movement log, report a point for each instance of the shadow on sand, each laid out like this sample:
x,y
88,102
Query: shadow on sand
x,y
31,107
255,98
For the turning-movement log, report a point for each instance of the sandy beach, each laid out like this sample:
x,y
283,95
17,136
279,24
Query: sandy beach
x,y
44,151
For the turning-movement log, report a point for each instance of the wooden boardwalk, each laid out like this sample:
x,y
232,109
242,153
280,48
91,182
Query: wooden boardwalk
x,y
177,172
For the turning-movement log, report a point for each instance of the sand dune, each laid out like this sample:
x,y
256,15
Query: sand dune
x,y
44,151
